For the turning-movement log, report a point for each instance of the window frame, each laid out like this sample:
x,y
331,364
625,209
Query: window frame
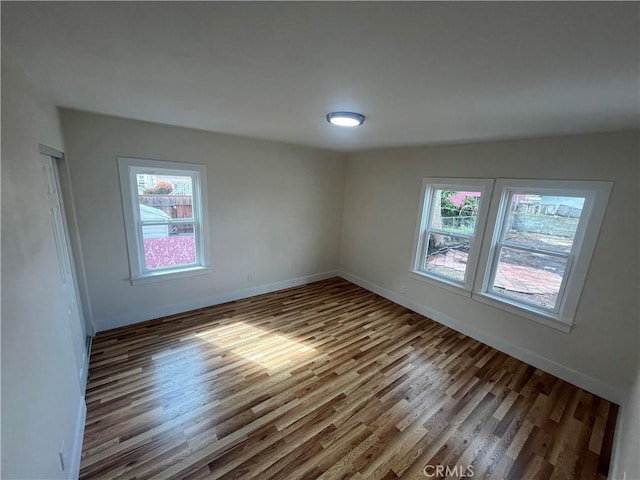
x,y
596,195
423,229
128,169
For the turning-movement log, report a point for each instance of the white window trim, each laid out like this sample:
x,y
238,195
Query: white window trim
x,y
596,196
429,185
489,226
127,168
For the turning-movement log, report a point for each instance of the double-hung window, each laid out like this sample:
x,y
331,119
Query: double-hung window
x,y
450,230
165,217
540,238
528,253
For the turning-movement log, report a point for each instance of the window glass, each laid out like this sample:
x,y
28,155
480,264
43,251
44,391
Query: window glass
x,y
533,277
168,246
447,256
454,215
165,201
535,247
455,211
543,222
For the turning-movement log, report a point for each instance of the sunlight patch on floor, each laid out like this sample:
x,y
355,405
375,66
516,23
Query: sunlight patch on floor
x,y
267,349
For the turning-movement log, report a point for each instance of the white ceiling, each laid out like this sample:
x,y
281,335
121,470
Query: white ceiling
x,y
421,72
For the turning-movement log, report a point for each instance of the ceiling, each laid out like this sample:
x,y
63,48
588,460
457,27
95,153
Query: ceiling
x,y
421,72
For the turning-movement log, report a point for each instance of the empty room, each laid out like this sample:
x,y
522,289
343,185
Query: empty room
x,y
320,240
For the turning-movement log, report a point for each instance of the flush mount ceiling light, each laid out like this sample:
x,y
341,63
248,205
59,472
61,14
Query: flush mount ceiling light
x,y
345,119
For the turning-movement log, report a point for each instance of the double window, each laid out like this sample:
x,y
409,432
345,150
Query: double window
x,y
520,245
165,218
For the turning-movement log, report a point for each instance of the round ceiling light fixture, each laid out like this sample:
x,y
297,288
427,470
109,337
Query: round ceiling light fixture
x,y
345,119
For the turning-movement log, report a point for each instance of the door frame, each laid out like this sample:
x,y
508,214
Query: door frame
x,y
83,304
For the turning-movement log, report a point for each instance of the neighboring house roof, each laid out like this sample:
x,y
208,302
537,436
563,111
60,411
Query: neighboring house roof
x,y
150,213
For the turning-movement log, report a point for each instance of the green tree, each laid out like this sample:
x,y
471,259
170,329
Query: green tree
x,y
447,208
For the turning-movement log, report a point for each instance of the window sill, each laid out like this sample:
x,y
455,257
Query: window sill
x,y
440,282
547,319
170,275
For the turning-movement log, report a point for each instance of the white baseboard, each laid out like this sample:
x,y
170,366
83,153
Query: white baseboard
x,y
145,314
76,452
574,377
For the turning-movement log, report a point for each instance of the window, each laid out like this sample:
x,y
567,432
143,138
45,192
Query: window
x,y
165,218
450,230
540,236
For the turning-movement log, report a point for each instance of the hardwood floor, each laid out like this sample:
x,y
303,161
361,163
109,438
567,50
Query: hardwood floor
x,y
329,381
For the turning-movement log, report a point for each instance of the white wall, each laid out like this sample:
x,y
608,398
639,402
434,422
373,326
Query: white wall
x,y
380,212
275,211
626,462
42,403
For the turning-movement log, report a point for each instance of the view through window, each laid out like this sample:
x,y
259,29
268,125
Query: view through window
x,y
450,231
535,249
167,220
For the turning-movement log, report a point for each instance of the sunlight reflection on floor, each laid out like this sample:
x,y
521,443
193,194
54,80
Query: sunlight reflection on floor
x,y
267,349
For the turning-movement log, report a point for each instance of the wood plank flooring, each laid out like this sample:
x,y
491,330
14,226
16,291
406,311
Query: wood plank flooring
x,y
329,381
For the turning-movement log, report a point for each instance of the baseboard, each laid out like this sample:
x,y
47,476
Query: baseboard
x,y
574,377
76,452
142,315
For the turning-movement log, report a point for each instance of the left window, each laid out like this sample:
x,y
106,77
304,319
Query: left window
x,y
449,233
165,217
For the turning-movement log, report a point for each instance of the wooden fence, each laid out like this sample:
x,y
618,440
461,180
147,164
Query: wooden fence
x,y
176,206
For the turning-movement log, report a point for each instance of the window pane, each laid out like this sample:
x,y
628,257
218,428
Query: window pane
x,y
545,222
455,211
534,277
171,194
447,256
169,245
